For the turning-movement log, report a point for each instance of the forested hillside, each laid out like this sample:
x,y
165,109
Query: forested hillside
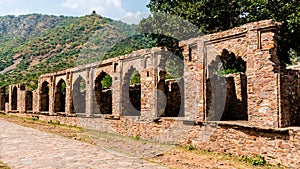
x,y
32,45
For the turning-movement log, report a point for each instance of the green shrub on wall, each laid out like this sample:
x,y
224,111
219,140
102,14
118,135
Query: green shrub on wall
x,y
107,81
135,78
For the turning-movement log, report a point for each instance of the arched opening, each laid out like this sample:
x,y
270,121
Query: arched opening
x,y
170,87
44,102
60,96
226,88
79,95
14,98
131,93
103,93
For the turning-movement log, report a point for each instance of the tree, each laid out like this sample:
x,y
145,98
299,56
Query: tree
x,y
219,15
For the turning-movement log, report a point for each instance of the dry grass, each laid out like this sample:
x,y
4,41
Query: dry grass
x,y
3,166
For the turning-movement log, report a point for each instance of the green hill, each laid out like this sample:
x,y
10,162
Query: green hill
x,y
35,44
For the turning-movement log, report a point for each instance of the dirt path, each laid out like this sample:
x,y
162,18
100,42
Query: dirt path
x,y
169,155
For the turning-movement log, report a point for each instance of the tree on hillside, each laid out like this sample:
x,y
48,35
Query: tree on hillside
x,y
213,16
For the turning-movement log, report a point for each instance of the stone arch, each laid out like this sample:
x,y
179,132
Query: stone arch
x,y
103,92
60,96
14,98
131,94
44,96
79,95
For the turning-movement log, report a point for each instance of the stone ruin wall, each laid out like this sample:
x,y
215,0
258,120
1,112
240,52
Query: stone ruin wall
x,y
290,97
267,91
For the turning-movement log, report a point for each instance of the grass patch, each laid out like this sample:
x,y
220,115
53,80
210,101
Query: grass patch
x,y
3,166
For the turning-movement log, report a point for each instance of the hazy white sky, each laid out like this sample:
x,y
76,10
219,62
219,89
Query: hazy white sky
x,y
126,10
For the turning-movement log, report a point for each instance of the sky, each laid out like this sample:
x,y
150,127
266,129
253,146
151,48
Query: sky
x,y
130,11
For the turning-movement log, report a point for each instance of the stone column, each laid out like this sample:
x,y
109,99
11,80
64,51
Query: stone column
x,y
149,76
10,88
262,76
89,92
194,80
21,98
52,95
116,88
68,106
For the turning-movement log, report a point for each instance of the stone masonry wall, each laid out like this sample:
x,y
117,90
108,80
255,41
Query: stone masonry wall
x,y
290,97
256,44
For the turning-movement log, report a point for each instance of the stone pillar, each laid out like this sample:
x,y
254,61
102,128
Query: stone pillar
x,y
194,80
89,92
116,88
160,95
10,88
21,98
69,96
52,95
35,101
149,76
262,76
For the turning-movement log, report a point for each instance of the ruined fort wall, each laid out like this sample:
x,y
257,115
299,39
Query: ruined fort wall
x,y
269,95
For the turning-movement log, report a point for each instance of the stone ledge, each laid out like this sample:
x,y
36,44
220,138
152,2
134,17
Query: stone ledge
x,y
242,124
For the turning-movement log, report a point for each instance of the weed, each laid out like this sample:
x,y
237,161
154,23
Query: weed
x,y
258,160
137,137
190,147
34,118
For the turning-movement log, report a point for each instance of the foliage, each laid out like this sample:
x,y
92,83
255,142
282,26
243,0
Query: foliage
x,y
107,81
62,43
34,118
63,88
295,58
174,68
82,85
212,16
258,160
231,63
135,78
137,137
128,45
190,147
